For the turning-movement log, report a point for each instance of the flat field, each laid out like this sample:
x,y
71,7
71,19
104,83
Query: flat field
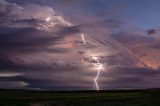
x,y
80,98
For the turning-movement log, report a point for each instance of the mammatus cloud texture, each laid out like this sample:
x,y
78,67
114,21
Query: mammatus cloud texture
x,y
41,47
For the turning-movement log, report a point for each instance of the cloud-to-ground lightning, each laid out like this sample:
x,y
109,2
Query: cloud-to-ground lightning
x,y
98,64
96,59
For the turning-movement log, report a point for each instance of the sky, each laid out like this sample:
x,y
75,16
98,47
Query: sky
x,y
63,44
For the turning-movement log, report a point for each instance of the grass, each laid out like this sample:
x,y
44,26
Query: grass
x,y
81,98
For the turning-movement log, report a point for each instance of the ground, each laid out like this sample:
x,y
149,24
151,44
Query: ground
x,y
80,98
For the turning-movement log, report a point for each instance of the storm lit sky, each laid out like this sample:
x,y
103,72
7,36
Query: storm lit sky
x,y
42,48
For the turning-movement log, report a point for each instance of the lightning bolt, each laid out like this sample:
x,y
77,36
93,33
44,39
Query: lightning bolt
x,y
83,38
98,64
51,21
99,68
49,18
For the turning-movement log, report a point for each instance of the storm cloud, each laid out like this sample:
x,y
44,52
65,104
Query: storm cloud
x,y
41,47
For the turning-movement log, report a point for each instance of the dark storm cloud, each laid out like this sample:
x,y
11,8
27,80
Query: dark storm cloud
x,y
27,40
157,46
46,75
118,78
11,13
7,9
151,32
77,16
130,77
7,64
53,77
20,34
19,37
29,22
37,54
133,71
68,30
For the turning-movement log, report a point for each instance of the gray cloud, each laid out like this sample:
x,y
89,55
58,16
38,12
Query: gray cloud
x,y
151,32
130,77
22,40
40,49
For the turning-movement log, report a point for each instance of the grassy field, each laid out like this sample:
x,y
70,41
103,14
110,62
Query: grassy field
x,y
83,98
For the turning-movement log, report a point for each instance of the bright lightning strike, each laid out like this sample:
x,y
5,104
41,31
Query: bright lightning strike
x,y
83,38
99,65
48,19
51,21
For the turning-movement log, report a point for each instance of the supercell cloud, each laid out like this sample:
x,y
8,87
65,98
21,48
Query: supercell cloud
x,y
41,46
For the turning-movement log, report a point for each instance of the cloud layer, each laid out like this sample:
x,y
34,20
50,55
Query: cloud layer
x,y
41,49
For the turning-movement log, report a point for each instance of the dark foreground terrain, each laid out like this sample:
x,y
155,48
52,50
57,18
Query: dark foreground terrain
x,y
82,98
